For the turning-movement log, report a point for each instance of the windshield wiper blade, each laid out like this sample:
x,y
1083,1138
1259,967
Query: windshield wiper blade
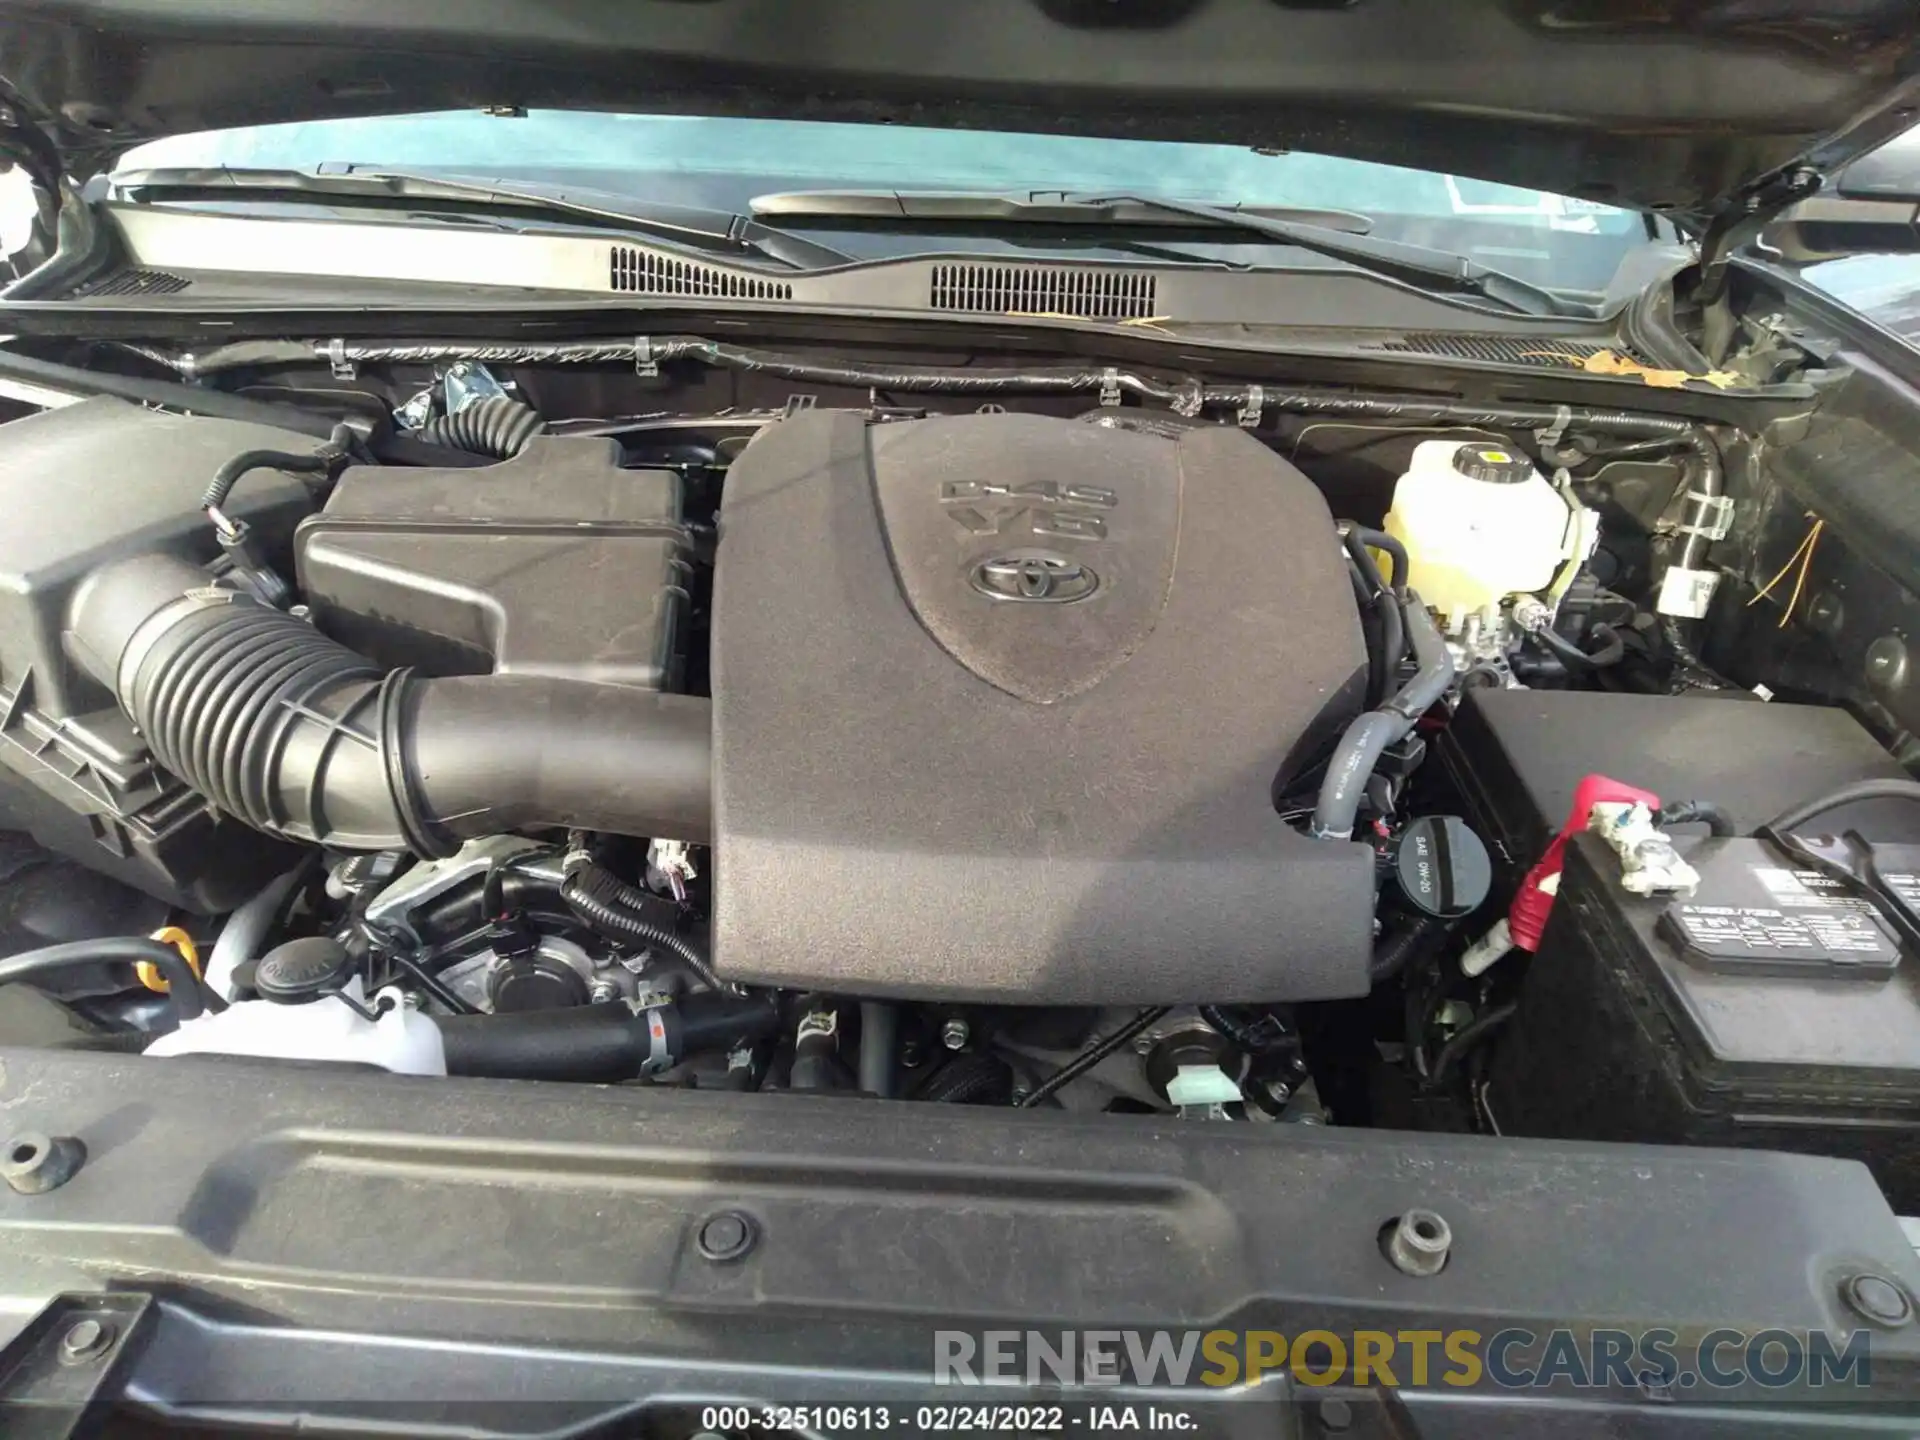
x,y
1329,233
1027,208
601,209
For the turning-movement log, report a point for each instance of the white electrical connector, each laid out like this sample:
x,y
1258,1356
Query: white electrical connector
x,y
672,860
1649,865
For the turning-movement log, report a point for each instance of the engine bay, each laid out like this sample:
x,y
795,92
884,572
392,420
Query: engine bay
x,y
966,735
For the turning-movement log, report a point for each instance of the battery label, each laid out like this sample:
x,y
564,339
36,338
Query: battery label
x,y
1732,930
1905,886
1770,917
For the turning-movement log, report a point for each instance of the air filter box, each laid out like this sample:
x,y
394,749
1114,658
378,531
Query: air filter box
x,y
556,562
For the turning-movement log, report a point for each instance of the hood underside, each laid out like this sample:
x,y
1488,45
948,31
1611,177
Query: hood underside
x,y
1658,104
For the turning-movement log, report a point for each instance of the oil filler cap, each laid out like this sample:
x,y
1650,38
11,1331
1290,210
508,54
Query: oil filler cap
x,y
301,970
1443,867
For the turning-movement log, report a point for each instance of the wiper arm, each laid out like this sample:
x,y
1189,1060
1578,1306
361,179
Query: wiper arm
x,y
602,209
1332,233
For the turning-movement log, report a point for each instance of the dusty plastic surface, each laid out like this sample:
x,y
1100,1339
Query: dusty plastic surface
x,y
1622,1034
927,784
555,563
81,487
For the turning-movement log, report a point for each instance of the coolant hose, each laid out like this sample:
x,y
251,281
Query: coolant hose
x,y
498,427
1369,737
298,736
601,1043
183,986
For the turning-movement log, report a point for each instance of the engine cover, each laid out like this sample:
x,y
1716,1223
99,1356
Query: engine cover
x,y
1000,702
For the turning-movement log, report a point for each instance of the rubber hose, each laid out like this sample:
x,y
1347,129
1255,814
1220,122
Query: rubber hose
x,y
1387,603
498,426
968,1080
1365,540
595,896
1369,603
598,1043
183,986
1613,649
298,736
1368,737
317,462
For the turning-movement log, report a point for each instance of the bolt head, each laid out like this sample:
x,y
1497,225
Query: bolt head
x,y
33,1163
1879,1300
1336,1414
85,1340
1887,663
955,1034
1419,1242
603,991
724,1236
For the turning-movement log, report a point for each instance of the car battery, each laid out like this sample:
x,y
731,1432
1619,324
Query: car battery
x,y
1774,1009
1515,758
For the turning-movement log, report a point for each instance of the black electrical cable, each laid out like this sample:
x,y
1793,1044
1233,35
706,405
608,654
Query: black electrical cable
x,y
190,997
612,907
1798,815
1093,1055
1398,946
1465,1038
1262,1036
1700,812
1684,657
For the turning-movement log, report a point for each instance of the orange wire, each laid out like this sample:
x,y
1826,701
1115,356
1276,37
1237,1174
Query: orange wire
x,y
1803,550
1813,543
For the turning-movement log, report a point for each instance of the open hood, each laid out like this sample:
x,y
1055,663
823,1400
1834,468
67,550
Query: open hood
x,y
1675,105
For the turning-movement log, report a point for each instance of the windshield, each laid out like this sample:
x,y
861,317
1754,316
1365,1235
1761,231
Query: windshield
x,y
723,163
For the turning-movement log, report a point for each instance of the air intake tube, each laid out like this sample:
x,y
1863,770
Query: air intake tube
x,y
298,736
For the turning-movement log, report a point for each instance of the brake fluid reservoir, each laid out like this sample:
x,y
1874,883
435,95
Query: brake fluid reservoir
x,y
1480,523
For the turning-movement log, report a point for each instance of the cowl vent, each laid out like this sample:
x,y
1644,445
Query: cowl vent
x,y
1033,289
645,272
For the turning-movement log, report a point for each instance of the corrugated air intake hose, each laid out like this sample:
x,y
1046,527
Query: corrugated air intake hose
x,y
497,426
299,736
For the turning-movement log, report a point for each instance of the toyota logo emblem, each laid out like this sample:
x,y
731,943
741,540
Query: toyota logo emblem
x,y
1036,577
